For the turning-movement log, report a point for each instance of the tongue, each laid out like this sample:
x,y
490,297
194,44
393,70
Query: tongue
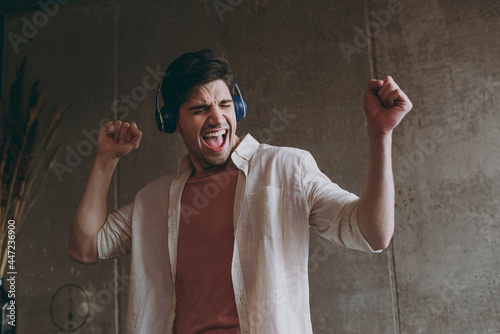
x,y
214,141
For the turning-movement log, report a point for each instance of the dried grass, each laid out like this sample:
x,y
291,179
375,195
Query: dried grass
x,y
26,159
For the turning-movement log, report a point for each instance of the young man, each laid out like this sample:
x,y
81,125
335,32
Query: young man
x,y
222,245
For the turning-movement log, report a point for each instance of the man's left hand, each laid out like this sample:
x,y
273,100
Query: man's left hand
x,y
385,106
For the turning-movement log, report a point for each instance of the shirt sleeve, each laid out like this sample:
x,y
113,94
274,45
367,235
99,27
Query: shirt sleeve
x,y
115,236
332,210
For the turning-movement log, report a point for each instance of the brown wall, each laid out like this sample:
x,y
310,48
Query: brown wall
x,y
441,273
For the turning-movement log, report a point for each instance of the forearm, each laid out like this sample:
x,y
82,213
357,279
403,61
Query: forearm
x,y
376,203
92,211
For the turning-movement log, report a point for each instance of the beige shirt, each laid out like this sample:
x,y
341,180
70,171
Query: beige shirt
x,y
280,192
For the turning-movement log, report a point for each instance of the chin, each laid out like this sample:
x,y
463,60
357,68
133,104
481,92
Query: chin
x,y
218,160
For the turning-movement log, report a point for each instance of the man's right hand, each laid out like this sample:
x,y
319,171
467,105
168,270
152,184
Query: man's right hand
x,y
117,139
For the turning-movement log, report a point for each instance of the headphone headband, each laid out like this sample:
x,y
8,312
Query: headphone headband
x,y
159,120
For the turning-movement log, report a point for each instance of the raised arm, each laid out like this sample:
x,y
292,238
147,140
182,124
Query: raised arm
x,y
116,139
385,105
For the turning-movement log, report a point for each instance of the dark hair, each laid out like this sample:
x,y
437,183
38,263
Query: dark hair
x,y
192,70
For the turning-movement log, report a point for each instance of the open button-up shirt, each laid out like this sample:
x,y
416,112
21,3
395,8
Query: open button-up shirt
x,y
280,192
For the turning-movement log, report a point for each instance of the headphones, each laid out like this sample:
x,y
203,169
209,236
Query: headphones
x,y
165,119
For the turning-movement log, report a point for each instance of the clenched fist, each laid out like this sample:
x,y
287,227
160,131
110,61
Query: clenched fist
x,y
385,105
117,139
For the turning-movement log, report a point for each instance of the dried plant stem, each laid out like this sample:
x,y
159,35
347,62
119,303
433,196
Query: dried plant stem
x,y
21,205
31,118
25,165
36,192
2,168
4,263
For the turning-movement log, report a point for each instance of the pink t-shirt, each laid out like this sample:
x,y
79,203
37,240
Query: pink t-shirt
x,y
204,289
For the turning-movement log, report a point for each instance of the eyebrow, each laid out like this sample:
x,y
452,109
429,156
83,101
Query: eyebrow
x,y
203,106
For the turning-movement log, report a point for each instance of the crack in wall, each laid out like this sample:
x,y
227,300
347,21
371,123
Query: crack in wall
x,y
116,263
391,261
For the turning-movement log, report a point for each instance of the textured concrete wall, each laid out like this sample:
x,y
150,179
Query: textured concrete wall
x,y
310,60
447,165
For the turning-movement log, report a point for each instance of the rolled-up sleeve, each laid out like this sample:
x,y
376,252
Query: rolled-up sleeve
x,y
332,210
115,236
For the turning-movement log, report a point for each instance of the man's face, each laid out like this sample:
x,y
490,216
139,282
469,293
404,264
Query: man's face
x,y
207,125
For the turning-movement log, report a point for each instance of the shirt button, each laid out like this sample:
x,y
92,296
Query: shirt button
x,y
173,306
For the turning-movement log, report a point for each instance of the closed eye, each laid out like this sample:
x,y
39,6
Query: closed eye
x,y
226,103
198,109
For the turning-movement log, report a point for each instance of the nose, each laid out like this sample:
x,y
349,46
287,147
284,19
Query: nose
x,y
216,116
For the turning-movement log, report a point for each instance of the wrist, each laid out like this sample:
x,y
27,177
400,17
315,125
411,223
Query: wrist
x,y
378,137
376,133
105,162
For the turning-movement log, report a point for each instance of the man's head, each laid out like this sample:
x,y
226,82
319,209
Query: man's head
x,y
199,88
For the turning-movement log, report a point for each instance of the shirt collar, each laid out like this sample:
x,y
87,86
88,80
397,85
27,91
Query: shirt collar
x,y
244,152
184,165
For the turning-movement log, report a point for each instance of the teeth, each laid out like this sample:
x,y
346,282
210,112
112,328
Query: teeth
x,y
215,134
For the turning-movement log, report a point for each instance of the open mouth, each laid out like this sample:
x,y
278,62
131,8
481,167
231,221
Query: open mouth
x,y
216,140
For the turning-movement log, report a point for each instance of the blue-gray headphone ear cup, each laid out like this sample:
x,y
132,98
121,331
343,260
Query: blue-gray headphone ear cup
x,y
240,107
169,120
165,120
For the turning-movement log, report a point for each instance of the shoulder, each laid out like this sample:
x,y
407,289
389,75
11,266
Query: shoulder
x,y
282,161
283,154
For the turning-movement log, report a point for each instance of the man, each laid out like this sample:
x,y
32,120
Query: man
x,y
222,245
